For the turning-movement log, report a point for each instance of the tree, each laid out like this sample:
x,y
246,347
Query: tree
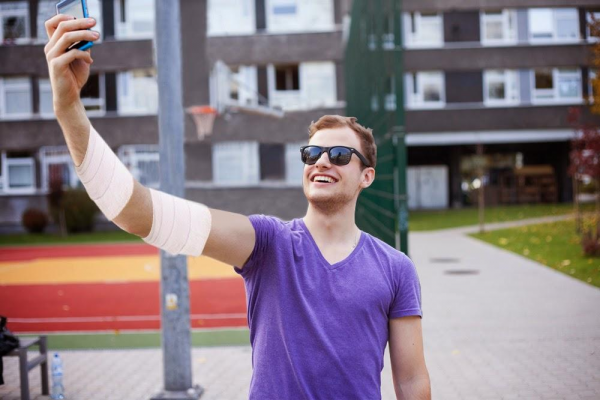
x,y
585,147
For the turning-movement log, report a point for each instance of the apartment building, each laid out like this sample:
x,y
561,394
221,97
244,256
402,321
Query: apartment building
x,y
497,73
284,53
502,74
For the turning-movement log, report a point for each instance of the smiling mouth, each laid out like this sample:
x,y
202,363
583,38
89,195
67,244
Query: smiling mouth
x,y
323,179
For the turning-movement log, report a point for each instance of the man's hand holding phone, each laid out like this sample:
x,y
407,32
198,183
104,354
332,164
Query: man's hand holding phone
x,y
69,70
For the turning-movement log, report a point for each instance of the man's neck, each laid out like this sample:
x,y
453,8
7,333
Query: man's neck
x,y
336,228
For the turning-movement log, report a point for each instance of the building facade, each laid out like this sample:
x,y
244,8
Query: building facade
x,y
497,73
501,74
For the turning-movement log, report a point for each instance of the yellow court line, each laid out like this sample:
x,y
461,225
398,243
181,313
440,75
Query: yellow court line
x,y
104,269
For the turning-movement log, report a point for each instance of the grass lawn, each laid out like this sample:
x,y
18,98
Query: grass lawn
x,y
138,340
46,238
555,245
442,219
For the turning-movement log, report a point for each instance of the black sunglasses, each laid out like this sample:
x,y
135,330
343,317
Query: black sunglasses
x,y
338,155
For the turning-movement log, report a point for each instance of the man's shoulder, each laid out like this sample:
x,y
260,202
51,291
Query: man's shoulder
x,y
271,222
382,248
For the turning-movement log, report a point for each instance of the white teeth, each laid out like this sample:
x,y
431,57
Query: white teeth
x,y
324,179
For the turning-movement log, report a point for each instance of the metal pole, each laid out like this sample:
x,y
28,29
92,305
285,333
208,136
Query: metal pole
x,y
481,199
399,128
175,300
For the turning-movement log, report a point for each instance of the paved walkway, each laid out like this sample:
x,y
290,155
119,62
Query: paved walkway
x,y
496,326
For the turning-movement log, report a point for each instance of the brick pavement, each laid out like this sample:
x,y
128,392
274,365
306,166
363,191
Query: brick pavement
x,y
499,327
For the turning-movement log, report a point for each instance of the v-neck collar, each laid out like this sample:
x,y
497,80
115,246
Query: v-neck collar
x,y
324,261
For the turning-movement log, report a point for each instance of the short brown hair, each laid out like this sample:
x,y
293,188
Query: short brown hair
x,y
365,135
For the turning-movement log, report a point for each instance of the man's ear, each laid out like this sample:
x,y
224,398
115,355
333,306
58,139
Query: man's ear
x,y
368,176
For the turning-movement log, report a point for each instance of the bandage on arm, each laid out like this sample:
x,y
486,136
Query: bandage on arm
x,y
178,226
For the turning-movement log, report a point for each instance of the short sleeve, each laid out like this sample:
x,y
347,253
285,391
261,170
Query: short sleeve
x,y
266,229
407,299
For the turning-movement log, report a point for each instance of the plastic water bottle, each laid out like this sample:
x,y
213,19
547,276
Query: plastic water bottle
x,y
58,390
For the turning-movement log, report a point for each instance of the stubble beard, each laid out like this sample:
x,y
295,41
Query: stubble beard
x,y
332,203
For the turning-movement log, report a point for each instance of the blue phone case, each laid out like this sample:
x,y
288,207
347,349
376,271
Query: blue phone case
x,y
84,44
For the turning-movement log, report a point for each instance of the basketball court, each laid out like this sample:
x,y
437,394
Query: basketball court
x,y
108,287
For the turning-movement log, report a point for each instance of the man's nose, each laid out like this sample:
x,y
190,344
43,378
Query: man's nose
x,y
324,160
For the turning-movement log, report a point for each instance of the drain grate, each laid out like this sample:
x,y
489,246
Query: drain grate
x,y
461,271
444,260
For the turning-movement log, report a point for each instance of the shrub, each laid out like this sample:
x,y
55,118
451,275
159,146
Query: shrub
x,y
34,220
80,211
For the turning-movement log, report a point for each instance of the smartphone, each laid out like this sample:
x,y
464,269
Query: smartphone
x,y
77,9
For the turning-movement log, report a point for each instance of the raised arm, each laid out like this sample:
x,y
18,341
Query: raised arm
x,y
157,217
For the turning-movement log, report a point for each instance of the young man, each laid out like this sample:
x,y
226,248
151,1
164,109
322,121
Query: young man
x,y
323,297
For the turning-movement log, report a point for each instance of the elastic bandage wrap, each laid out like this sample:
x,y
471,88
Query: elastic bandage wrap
x,y
107,181
179,226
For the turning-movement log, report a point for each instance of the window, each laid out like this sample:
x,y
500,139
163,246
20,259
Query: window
x,y
287,77
15,97
57,165
18,174
500,87
306,86
284,7
272,162
294,167
423,29
92,94
143,163
425,89
134,19
137,91
498,27
14,22
286,16
556,85
46,106
553,24
235,163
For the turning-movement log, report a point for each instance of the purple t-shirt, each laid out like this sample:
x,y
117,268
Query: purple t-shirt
x,y
319,331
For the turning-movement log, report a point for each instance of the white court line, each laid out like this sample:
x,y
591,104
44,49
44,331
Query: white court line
x,y
119,318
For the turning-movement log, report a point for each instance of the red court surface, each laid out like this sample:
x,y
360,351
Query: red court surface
x,y
110,302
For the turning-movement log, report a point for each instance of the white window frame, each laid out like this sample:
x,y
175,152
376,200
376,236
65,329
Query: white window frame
x,y
247,153
415,21
415,100
132,155
508,19
50,155
14,86
554,22
16,13
8,162
510,78
293,163
101,101
556,99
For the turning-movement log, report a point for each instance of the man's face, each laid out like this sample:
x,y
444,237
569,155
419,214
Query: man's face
x,y
348,179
